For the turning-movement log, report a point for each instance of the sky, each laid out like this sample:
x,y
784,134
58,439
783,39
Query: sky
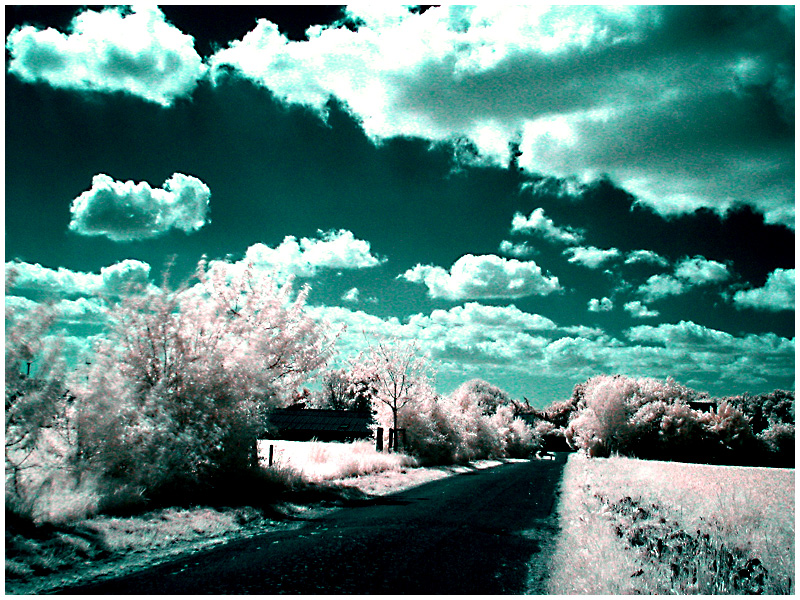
x,y
534,195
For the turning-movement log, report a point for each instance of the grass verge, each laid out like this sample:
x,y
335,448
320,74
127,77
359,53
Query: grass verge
x,y
634,526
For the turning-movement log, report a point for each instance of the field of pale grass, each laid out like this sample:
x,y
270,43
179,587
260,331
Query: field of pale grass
x,y
330,461
636,526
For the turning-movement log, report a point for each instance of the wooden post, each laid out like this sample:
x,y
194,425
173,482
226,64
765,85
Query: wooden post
x,y
391,439
379,439
271,450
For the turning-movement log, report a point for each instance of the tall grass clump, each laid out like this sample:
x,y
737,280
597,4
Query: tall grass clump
x,y
328,461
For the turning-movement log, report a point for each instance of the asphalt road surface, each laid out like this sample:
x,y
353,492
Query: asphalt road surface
x,y
482,532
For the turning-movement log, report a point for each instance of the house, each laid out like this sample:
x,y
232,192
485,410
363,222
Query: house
x,y
321,424
703,405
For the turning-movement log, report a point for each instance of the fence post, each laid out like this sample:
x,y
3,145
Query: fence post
x,y
379,439
271,450
391,439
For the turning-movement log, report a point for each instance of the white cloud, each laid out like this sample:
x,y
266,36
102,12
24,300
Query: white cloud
x,y
122,276
776,295
591,257
583,90
306,257
645,256
128,211
660,286
537,222
65,283
81,311
484,277
700,271
522,250
689,273
351,295
494,318
689,335
601,305
110,51
524,352
639,310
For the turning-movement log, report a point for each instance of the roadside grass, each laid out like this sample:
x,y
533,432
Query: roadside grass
x,y
636,526
306,478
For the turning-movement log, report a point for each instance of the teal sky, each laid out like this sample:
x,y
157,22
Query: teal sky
x,y
534,196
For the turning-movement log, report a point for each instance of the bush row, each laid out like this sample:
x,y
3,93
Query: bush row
x,y
655,419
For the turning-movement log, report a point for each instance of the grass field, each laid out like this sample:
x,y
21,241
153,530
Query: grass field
x,y
634,526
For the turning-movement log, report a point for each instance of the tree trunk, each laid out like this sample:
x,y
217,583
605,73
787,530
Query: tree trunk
x,y
395,445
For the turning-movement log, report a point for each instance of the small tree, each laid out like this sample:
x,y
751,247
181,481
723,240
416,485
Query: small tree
x,y
399,374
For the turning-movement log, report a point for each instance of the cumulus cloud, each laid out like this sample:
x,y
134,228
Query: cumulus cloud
x,y
639,310
124,276
690,335
776,295
691,353
65,283
523,350
484,277
351,295
601,305
645,256
522,250
307,256
700,271
689,273
539,223
682,118
115,50
660,286
125,211
483,317
590,256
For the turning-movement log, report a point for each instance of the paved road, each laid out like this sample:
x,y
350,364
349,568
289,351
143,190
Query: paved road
x,y
476,533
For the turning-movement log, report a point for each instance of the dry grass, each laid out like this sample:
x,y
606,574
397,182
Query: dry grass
x,y
633,526
102,546
318,462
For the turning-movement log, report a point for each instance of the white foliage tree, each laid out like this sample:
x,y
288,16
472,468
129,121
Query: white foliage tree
x,y
182,386
399,376
36,427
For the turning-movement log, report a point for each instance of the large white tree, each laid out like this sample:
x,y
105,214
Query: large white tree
x,y
182,385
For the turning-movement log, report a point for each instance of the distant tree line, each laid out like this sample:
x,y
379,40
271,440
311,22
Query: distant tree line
x,y
662,420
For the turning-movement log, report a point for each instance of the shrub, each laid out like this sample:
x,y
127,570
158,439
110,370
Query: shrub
x,y
648,418
456,428
37,415
778,442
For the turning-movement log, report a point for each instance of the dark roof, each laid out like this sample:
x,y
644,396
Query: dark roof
x,y
315,419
